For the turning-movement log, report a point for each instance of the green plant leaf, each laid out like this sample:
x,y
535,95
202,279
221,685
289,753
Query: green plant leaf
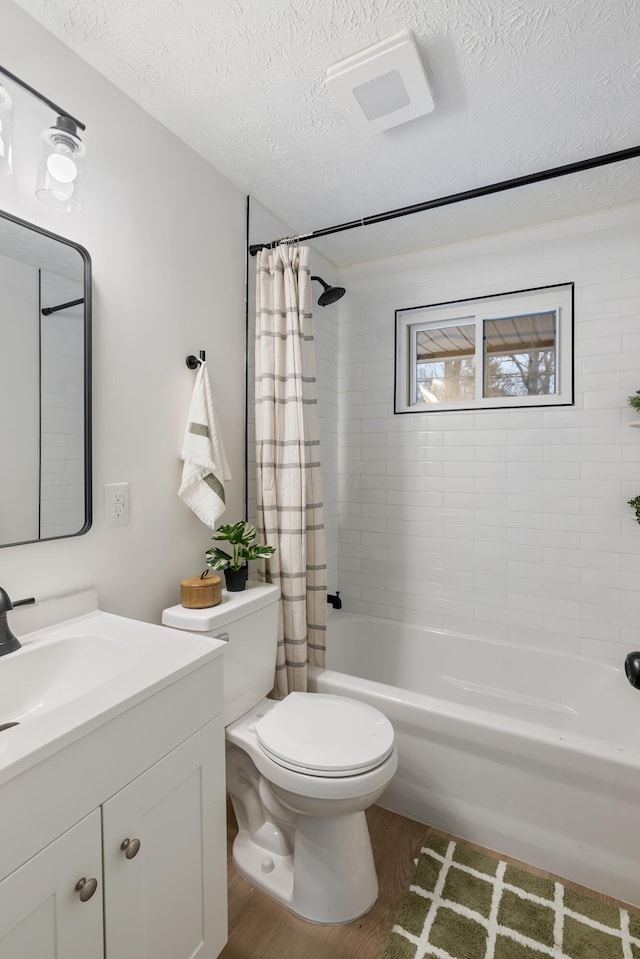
x,y
217,558
258,552
635,504
239,534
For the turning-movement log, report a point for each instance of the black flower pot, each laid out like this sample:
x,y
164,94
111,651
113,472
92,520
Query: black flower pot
x,y
236,579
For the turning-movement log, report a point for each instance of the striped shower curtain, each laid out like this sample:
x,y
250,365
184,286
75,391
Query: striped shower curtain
x,y
289,493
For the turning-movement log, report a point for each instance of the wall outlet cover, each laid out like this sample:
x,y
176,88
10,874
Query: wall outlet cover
x,y
116,504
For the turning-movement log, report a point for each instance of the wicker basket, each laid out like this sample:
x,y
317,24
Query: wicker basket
x,y
201,592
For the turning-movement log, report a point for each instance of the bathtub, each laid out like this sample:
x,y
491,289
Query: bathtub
x,y
531,753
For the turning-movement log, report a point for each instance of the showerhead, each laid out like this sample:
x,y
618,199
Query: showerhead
x,y
330,293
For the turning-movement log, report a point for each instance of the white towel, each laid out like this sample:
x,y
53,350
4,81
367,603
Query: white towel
x,y
205,468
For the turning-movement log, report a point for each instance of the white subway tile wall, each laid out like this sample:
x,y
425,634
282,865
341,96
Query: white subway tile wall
x,y
512,524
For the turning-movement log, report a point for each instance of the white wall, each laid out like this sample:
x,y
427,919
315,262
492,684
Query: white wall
x,y
166,235
263,227
511,524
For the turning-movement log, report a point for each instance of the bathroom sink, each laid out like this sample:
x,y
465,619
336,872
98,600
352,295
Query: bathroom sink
x,y
90,704
73,675
47,674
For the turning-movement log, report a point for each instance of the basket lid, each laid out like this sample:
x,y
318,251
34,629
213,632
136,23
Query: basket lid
x,y
200,582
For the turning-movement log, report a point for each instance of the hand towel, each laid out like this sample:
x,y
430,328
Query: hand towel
x,y
205,468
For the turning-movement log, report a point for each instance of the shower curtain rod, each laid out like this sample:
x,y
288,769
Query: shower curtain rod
x,y
503,185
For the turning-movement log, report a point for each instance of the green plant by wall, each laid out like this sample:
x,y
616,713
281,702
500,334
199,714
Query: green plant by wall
x,y
635,504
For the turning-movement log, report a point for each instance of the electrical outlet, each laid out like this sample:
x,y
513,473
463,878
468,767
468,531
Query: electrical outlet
x,y
116,504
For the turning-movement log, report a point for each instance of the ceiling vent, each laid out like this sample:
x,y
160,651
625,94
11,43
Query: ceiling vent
x,y
382,86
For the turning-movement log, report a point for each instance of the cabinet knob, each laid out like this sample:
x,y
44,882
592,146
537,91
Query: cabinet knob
x,y
86,888
130,847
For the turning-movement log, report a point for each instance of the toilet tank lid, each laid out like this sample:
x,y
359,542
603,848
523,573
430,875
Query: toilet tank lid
x,y
233,606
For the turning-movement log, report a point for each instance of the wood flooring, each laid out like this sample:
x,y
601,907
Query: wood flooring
x,y
261,929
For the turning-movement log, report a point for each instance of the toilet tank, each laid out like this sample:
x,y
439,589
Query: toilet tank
x,y
248,621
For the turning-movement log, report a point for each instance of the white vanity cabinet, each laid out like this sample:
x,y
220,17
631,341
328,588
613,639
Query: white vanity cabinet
x,y
168,899
135,801
156,853
42,916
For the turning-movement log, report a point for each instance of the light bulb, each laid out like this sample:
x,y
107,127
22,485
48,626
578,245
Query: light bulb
x,y
61,167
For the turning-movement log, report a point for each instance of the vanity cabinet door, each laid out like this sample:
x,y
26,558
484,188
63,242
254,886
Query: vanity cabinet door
x,y
42,914
164,851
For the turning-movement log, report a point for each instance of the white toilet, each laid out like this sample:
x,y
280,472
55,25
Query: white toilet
x,y
300,772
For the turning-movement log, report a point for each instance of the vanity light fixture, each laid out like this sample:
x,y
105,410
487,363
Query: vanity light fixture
x,y
61,165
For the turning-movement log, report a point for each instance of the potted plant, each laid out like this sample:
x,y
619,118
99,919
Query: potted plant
x,y
634,400
241,536
634,403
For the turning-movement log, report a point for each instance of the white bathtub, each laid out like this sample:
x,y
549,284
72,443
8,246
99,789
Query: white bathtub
x,y
531,753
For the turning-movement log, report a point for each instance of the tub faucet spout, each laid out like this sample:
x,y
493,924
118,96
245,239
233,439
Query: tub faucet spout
x,y
8,642
334,599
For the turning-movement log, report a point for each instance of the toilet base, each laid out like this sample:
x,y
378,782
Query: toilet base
x,y
303,839
330,877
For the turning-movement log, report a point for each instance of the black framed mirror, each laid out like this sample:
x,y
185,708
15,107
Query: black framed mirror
x,y
45,384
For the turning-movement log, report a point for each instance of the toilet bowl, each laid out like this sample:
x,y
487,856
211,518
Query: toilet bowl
x,y
300,772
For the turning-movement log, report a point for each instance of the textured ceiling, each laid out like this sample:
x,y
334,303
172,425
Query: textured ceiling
x,y
519,86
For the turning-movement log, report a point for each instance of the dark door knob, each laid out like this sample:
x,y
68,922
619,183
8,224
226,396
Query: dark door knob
x,y
632,668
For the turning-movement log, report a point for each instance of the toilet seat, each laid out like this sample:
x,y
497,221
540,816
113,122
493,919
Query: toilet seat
x,y
318,734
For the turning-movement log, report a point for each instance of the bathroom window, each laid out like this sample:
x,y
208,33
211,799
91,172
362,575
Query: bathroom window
x,y
508,349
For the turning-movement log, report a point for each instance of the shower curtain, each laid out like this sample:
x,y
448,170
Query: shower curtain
x,y
289,486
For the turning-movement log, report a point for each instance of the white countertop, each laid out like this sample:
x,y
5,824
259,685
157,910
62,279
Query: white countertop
x,y
74,676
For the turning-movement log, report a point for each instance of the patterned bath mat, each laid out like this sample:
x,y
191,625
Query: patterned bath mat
x,y
463,904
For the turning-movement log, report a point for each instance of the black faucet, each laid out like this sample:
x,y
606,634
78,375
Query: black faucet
x,y
334,599
8,642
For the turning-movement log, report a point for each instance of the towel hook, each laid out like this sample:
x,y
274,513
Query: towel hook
x,y
193,362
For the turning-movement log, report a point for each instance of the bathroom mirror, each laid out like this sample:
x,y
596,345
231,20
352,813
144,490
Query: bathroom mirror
x,y
45,384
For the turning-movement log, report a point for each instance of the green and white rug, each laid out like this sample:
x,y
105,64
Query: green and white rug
x,y
463,904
